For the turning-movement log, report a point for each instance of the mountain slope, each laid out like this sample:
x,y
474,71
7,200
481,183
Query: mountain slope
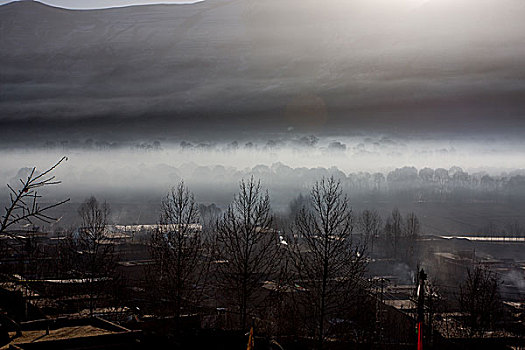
x,y
350,64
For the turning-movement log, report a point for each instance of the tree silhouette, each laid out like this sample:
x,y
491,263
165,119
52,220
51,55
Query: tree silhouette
x,y
479,299
95,258
176,247
248,247
327,262
369,224
25,204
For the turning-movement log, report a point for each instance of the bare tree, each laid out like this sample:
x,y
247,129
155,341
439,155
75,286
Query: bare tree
x,y
441,176
514,230
411,226
176,248
394,230
248,247
479,299
411,230
25,207
297,204
25,203
369,223
96,263
209,214
327,262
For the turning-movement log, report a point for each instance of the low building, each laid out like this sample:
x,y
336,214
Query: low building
x,y
72,334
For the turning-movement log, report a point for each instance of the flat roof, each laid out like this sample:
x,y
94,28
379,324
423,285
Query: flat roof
x,y
40,335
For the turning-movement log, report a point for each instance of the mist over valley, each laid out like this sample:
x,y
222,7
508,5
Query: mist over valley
x,y
262,174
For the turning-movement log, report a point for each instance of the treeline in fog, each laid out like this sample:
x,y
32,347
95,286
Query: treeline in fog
x,y
314,277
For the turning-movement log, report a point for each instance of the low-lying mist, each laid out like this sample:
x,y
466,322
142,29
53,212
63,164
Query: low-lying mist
x,y
379,171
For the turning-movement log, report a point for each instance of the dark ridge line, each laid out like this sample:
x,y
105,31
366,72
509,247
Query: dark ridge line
x,y
19,3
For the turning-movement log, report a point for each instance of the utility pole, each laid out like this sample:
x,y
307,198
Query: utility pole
x,y
420,308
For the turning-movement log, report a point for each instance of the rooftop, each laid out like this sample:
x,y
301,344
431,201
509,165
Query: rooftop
x,y
69,333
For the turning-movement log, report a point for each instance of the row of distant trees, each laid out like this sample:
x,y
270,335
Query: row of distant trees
x,y
312,267
425,184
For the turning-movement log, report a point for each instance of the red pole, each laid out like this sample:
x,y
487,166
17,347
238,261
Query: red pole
x,y
420,336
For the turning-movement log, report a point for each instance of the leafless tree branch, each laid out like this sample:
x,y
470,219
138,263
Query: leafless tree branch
x,y
24,204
